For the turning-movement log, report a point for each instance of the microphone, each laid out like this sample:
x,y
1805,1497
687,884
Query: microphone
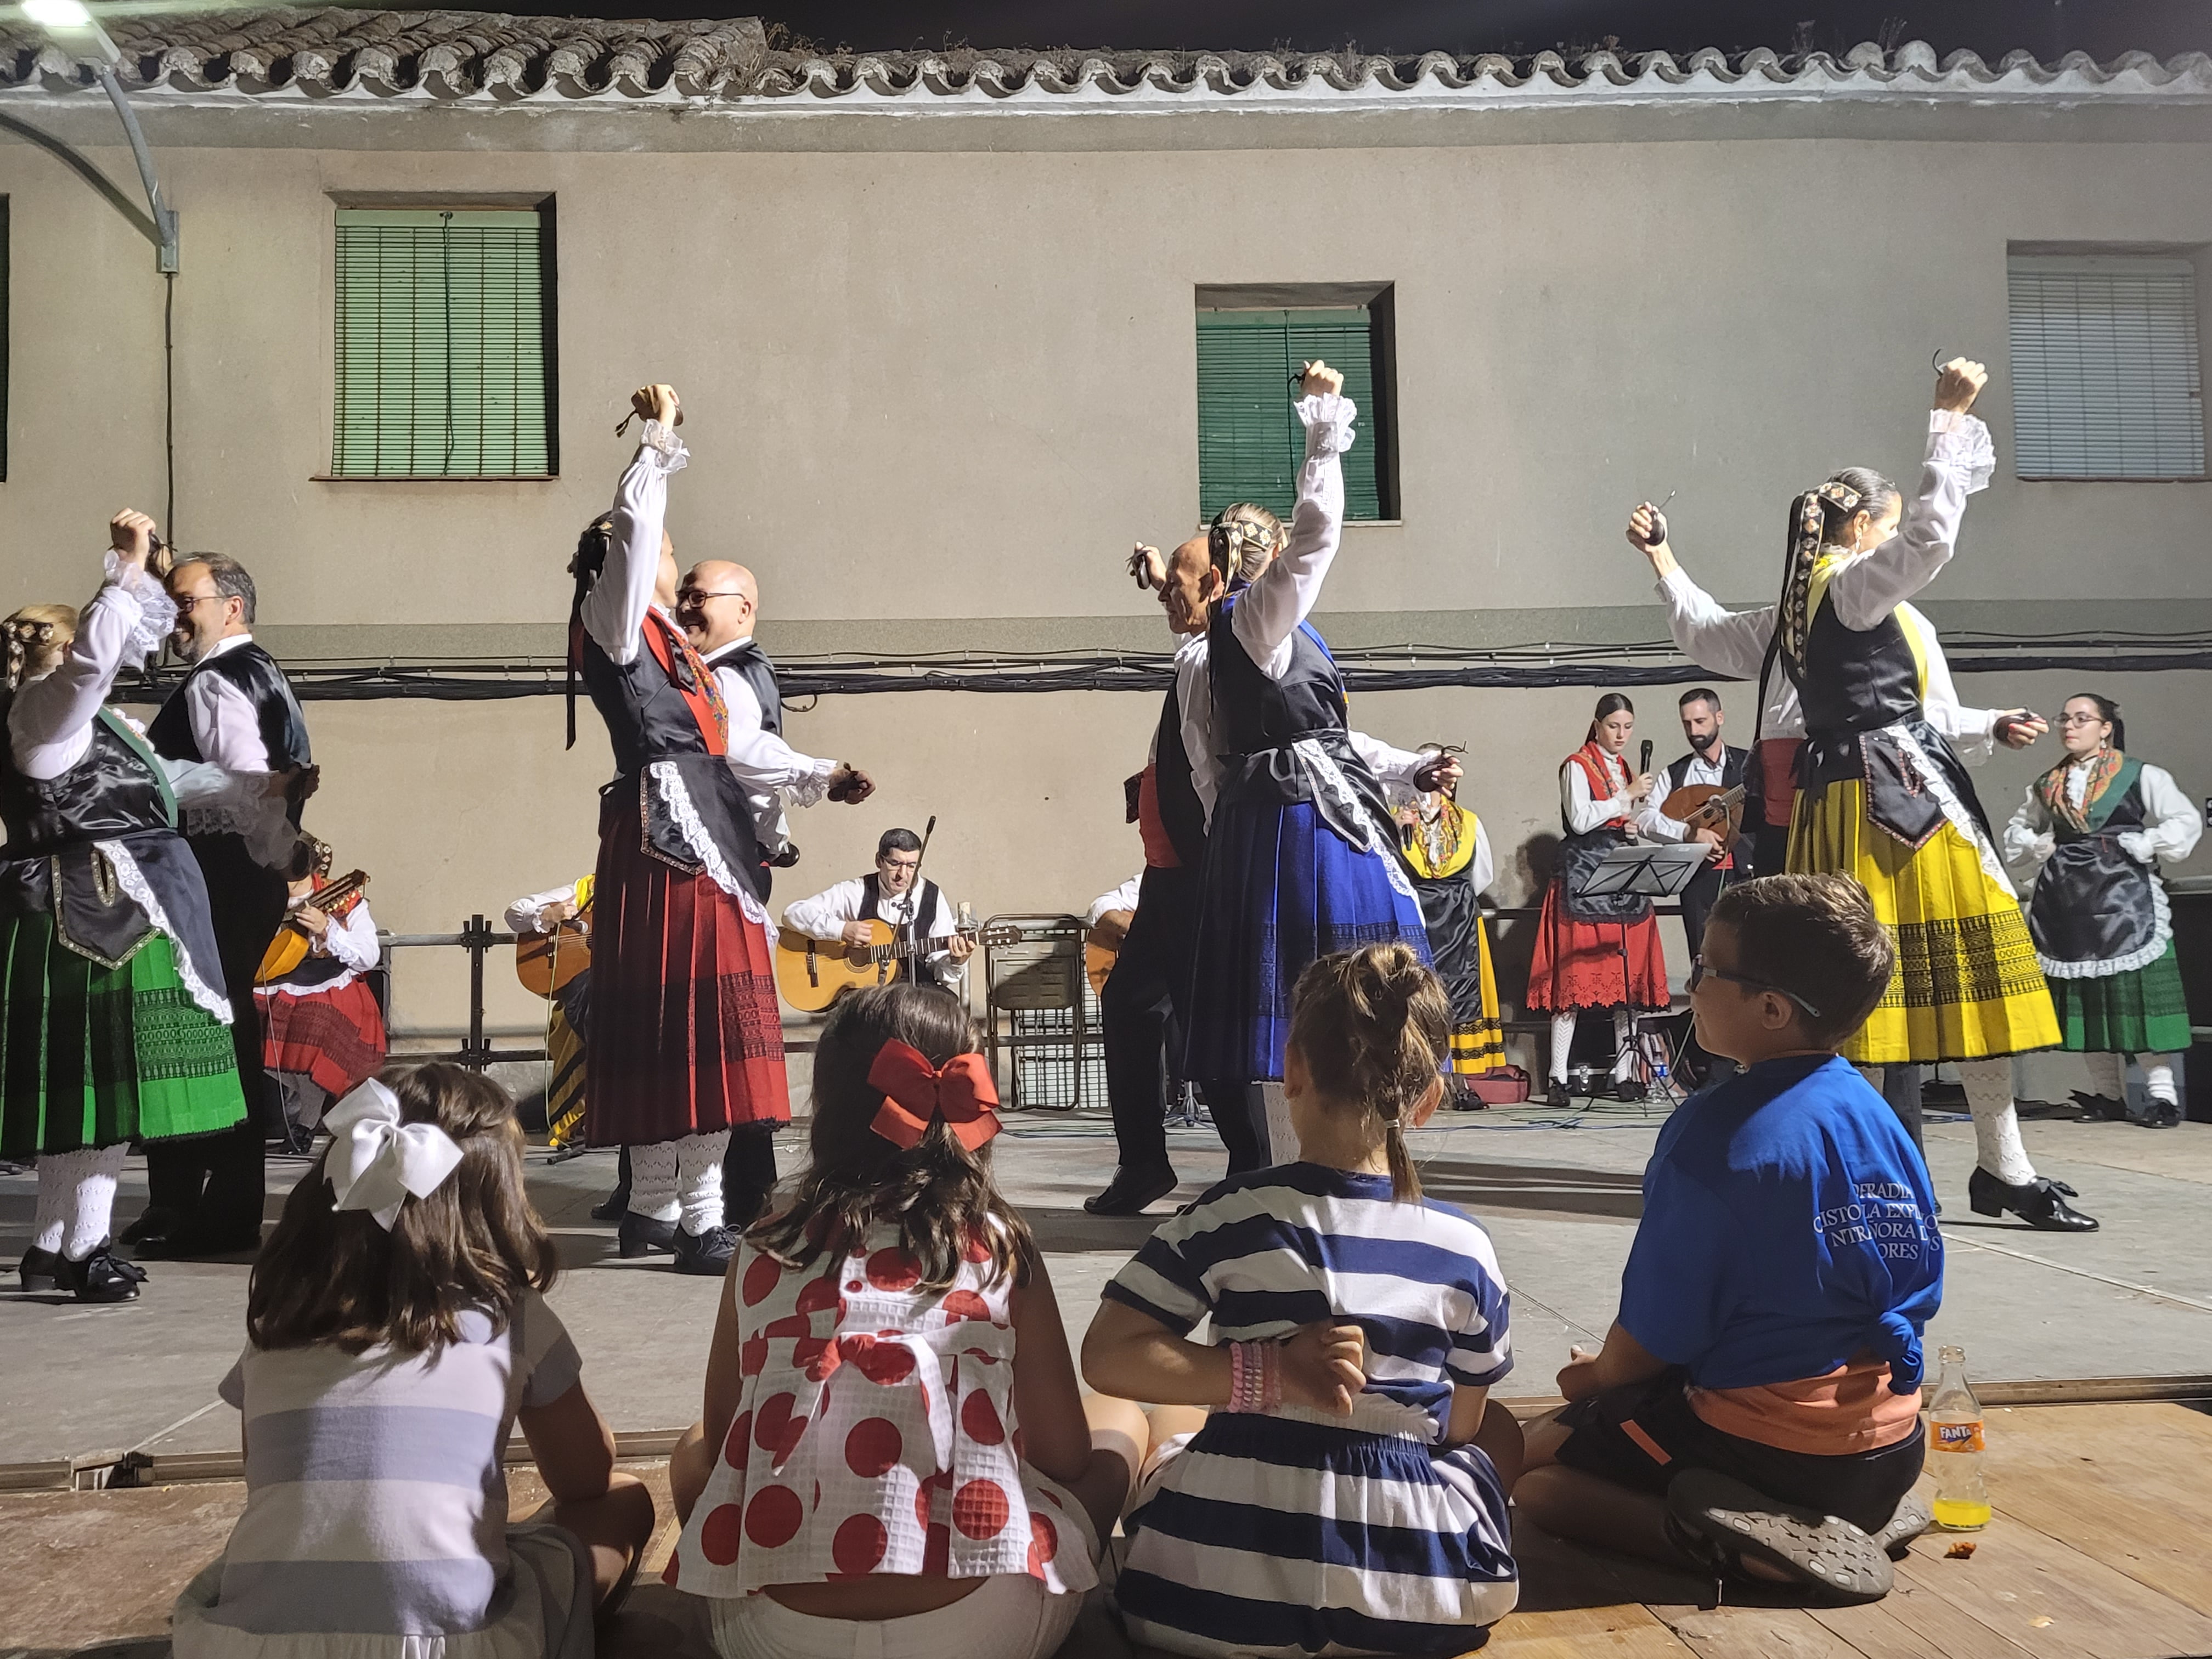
x,y
1644,761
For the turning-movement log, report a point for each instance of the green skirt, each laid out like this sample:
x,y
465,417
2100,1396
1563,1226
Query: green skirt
x,y
93,1056
2139,1013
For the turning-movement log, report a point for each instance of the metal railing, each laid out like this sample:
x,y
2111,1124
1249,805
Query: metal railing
x,y
476,938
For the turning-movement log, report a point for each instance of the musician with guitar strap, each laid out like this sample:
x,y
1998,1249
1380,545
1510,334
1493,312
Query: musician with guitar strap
x,y
1710,767
889,894
322,1033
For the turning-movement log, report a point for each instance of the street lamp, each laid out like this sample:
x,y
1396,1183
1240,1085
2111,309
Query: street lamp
x,y
70,22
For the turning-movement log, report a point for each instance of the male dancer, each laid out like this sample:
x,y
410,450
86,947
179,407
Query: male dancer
x,y
685,1037
718,603
234,709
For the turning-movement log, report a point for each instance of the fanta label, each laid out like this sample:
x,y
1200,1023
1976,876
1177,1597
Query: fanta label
x,y
1955,1436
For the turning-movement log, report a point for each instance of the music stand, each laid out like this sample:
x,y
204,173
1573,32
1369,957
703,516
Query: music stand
x,y
1649,869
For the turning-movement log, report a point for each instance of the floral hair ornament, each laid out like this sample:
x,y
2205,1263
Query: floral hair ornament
x,y
375,1160
962,1093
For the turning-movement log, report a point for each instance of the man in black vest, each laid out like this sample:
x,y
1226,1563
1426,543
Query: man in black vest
x,y
889,894
234,709
1711,761
718,603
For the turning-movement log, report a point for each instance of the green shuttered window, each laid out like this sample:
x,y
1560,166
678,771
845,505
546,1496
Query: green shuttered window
x,y
2106,381
1251,444
444,347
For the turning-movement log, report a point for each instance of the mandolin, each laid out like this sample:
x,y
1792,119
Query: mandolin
x,y
813,973
1708,807
289,948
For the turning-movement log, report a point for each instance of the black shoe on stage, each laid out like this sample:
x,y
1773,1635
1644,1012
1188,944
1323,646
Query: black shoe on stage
x,y
1131,1191
614,1208
706,1253
1629,1088
193,1241
99,1277
2040,1203
638,1233
38,1268
1555,1094
2164,1114
153,1225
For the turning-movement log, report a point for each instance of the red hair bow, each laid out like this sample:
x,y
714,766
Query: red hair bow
x,y
915,1094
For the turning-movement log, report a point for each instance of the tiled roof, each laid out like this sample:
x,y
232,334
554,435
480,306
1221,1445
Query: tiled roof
x,y
327,51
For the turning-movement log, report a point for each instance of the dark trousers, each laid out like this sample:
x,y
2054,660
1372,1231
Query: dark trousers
x,y
215,1183
748,1173
1770,848
1141,1005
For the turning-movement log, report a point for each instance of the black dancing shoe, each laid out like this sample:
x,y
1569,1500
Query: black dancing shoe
x,y
705,1254
99,1277
1628,1089
154,1223
38,1268
1131,1191
1556,1095
640,1233
616,1207
2164,1114
2040,1203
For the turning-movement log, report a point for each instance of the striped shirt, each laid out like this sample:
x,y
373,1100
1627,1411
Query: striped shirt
x,y
375,1501
1297,1532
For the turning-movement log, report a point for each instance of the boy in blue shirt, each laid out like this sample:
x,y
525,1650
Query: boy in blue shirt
x,y
1755,1406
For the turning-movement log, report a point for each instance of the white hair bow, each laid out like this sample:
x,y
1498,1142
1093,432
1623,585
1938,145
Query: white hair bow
x,y
375,1160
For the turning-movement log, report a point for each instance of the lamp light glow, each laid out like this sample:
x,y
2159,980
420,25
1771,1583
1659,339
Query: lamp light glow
x,y
59,13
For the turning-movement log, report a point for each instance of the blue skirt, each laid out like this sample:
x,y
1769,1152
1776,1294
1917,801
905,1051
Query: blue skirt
x,y
1281,889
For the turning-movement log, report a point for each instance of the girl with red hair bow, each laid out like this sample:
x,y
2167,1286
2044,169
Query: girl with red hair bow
x,y
893,1434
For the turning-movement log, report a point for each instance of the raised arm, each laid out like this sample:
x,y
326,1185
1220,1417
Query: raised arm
x,y
1269,611
1719,641
1958,462
615,609
50,721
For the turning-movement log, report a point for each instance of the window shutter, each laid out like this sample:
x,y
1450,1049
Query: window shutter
x,y
442,347
1251,444
2107,378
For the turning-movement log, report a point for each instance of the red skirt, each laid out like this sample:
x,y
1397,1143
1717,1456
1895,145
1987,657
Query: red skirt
x,y
686,1033
336,1037
1577,964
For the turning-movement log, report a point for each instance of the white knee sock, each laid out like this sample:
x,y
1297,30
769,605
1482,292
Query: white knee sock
x,y
2158,1077
654,1180
1563,1038
2108,1075
76,1200
699,1180
1624,1044
1282,1136
1996,1125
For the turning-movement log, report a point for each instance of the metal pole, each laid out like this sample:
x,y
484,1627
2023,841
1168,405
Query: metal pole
x,y
165,218
478,934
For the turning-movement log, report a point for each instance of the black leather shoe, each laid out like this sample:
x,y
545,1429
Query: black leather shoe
x,y
705,1254
152,1225
1131,1192
2164,1114
616,1207
2100,1109
99,1278
638,1233
1629,1088
1555,1094
38,1268
2040,1203
193,1241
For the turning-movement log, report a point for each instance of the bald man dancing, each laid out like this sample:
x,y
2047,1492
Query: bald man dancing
x,y
717,603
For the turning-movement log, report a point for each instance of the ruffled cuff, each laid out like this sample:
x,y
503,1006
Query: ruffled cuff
x,y
663,441
1961,439
809,790
2136,844
1328,424
157,612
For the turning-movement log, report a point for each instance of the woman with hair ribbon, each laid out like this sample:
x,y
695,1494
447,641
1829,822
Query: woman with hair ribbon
x,y
1883,794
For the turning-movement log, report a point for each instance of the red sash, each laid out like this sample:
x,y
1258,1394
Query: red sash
x,y
1777,760
704,693
1160,846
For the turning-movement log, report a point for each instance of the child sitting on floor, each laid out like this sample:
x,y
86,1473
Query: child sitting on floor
x,y
1330,1476
397,1331
1755,1406
893,1437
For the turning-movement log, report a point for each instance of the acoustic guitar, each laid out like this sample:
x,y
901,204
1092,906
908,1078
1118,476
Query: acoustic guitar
x,y
1708,807
1102,947
545,962
289,948
813,973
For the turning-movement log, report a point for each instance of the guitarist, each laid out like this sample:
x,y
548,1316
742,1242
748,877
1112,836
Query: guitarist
x,y
1711,761
843,912
322,1032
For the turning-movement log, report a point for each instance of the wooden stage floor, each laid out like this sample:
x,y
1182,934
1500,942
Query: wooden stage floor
x,y
2101,1548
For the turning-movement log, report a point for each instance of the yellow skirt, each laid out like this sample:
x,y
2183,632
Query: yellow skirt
x,y
1479,1046
564,1090
1967,984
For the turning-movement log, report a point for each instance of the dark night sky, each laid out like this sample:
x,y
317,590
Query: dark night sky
x,y
2103,28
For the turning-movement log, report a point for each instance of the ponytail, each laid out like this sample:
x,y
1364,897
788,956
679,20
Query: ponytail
x,y
1817,520
1373,1027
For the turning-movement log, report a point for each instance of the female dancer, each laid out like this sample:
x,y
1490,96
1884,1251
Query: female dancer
x,y
1884,798
2099,820
1597,951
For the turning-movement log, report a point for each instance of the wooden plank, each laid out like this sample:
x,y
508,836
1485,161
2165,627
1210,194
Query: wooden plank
x,y
1577,1600
1912,1622
1754,1633
1628,1632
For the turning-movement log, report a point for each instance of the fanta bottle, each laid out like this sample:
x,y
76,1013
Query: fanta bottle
x,y
1955,1447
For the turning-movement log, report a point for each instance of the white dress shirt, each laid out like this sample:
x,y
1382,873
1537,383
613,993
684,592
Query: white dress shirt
x,y
1581,812
350,939
774,774
1123,897
226,726
527,915
1652,817
2170,828
614,611
824,915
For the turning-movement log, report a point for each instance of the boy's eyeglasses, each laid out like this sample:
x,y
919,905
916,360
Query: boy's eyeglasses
x,y
1699,970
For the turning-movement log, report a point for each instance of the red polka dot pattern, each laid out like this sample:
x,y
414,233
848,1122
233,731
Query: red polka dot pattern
x,y
881,1363
759,1279
980,1508
772,1518
752,1356
789,1325
808,1354
718,1535
775,1430
860,1543
893,1269
733,1446
977,1249
936,1551
1044,1544
981,1420
965,1305
817,1295
872,1447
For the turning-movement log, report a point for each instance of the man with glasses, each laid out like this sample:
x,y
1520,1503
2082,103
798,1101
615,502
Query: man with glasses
x,y
890,896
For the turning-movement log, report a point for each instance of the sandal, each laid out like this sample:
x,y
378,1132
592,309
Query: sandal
x,y
1732,1523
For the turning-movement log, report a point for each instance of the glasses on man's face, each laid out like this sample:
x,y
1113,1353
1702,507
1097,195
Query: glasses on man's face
x,y
1700,971
901,867
694,595
185,604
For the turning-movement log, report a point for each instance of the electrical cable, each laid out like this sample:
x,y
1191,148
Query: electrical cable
x,y
169,398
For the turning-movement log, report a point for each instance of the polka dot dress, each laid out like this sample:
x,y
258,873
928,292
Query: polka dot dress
x,y
876,1433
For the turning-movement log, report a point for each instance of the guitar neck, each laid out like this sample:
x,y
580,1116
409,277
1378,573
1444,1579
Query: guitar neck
x,y
911,948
